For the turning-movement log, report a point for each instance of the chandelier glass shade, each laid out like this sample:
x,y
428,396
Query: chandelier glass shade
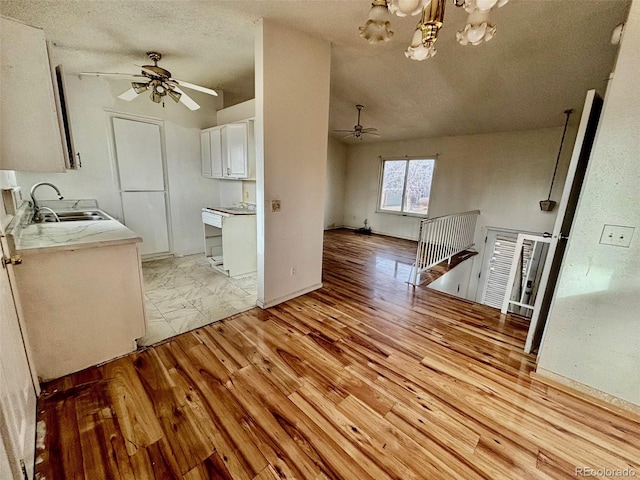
x,y
403,8
377,28
478,28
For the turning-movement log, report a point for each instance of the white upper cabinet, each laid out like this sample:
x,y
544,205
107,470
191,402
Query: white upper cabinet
x,y
29,129
217,161
225,151
234,148
205,148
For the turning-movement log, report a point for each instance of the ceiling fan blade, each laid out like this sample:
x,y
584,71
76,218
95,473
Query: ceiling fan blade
x,y
369,130
371,133
352,134
195,87
117,75
187,100
343,131
128,95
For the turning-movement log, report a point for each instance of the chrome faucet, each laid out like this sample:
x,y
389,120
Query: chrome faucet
x,y
36,208
55,215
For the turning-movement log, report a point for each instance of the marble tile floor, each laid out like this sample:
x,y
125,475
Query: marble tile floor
x,y
186,293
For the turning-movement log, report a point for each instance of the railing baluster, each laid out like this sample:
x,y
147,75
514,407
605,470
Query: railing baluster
x,y
441,238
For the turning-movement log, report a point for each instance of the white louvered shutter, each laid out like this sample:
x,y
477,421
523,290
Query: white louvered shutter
x,y
499,267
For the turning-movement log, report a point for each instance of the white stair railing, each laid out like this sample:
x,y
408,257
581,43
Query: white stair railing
x,y
441,238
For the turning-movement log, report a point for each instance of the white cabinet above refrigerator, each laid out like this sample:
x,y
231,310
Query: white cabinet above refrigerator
x,y
227,151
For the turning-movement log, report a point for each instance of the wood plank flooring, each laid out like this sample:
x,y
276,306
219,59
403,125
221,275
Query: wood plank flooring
x,y
366,378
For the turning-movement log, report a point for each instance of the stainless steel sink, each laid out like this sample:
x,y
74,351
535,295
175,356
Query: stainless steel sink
x,y
79,216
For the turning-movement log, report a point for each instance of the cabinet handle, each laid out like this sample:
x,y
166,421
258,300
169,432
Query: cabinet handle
x,y
79,160
228,171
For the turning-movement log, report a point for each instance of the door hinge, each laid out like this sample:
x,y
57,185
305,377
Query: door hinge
x,y
13,260
24,469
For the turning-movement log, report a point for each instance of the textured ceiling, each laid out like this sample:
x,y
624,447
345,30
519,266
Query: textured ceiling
x,y
545,56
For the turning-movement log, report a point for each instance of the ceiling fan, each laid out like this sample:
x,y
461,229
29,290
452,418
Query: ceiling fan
x,y
159,81
358,131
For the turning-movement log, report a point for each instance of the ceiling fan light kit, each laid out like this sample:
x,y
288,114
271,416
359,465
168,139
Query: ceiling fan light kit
x,y
478,28
160,82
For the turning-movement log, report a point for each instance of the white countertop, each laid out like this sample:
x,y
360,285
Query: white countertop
x,y
228,211
58,236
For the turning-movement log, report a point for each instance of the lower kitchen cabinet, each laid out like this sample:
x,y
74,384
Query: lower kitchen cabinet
x,y
230,242
81,307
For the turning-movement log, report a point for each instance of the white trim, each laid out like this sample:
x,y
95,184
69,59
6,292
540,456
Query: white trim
x,y
289,296
583,388
386,234
186,253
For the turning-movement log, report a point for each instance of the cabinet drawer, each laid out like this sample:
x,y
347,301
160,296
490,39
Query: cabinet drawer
x,y
212,219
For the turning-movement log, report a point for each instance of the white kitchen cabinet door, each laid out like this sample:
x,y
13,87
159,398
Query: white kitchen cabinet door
x,y
234,147
29,128
205,147
139,154
215,141
145,213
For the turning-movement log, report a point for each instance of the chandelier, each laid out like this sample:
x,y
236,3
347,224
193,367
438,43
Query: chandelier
x,y
478,28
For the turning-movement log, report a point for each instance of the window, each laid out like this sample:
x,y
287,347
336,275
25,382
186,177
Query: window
x,y
405,186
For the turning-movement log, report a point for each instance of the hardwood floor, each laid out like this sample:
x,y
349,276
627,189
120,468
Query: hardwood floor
x,y
367,378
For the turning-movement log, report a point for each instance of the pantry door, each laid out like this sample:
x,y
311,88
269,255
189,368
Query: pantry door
x,y
142,179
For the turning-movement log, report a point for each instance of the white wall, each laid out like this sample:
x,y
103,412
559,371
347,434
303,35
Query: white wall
x,y
593,328
336,176
504,175
292,117
455,281
88,97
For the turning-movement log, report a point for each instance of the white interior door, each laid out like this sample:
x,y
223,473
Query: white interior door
x,y
142,179
145,213
17,391
566,211
139,154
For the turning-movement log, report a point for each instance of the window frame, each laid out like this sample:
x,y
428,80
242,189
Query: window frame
x,y
407,159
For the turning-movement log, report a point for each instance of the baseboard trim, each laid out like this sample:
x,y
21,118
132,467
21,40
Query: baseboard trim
x,y
186,253
589,394
289,296
385,234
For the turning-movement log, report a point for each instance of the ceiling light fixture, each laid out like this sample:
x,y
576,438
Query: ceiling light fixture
x,y
477,30
376,29
139,87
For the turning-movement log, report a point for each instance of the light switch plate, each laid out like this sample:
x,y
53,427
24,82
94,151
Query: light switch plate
x,y
275,205
617,235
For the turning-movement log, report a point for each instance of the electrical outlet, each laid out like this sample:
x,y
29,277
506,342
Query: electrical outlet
x,y
293,271
246,195
617,235
275,205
